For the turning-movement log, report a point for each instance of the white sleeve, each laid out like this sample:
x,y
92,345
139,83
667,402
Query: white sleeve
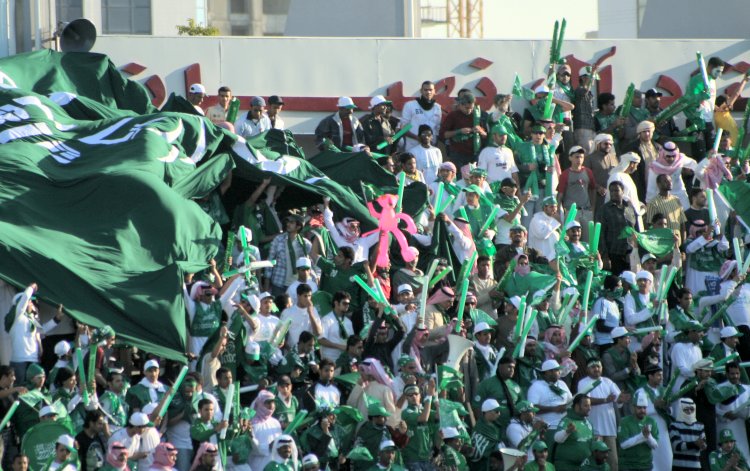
x,y
561,436
328,221
482,160
632,317
682,361
534,395
651,441
633,441
697,244
406,116
512,167
226,298
515,435
459,236
24,301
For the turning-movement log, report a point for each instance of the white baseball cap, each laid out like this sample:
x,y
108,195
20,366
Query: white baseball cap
x,y
67,441
490,405
449,432
378,100
310,459
729,331
385,444
404,288
543,88
628,277
644,275
47,410
304,262
572,224
481,327
149,408
618,332
345,102
150,364
550,365
197,88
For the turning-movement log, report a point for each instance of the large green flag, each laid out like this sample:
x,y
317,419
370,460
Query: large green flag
x,y
96,200
39,443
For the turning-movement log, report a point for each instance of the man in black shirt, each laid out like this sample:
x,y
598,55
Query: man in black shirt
x,y
615,215
92,441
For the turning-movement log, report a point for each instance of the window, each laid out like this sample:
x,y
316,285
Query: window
x,y
238,6
126,16
68,10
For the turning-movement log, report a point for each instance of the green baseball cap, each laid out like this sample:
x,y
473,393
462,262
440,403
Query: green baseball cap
x,y
599,445
377,410
726,435
473,189
526,406
539,446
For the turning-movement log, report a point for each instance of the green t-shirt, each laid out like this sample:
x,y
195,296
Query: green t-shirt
x,y
491,388
206,320
334,279
640,456
569,454
590,465
419,447
718,459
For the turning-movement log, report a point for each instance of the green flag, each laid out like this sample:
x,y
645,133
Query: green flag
x,y
658,242
448,377
39,442
737,195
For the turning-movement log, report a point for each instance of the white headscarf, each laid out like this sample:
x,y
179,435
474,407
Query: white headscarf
x,y
284,440
683,416
625,160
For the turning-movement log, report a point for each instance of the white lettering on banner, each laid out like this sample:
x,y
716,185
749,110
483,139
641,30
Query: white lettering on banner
x,y
6,81
10,113
283,165
27,130
60,151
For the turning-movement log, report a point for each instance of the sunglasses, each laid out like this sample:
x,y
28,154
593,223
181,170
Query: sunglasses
x,y
565,74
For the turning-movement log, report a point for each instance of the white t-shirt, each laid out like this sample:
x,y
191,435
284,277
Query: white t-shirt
x,y
499,163
332,334
428,161
602,417
300,322
414,114
541,394
265,329
292,290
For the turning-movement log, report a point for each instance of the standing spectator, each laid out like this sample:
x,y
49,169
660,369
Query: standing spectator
x,y
551,395
646,146
687,436
497,160
601,161
574,436
196,95
428,156
275,105
605,399
422,111
342,128
615,215
286,248
675,164
583,111
605,119
303,316
337,327
464,130
667,128
637,437
577,186
218,112
255,121
376,126
668,205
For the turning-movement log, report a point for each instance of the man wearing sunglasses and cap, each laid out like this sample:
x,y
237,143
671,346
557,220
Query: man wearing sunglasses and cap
x,y
376,126
342,128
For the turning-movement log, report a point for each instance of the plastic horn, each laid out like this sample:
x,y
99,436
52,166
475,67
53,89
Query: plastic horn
x,y
627,103
553,46
448,202
497,361
572,213
736,247
594,246
173,391
519,320
587,291
717,139
401,184
591,235
467,266
440,276
280,332
702,68
548,106
364,286
684,389
247,389
92,367
668,283
228,251
438,196
744,364
564,302
234,108
489,221
9,414
296,422
719,313
227,409
560,38
518,352
662,281
245,251
567,308
670,386
82,377
396,136
647,330
711,205
462,303
582,334
746,265
380,291
726,360
426,285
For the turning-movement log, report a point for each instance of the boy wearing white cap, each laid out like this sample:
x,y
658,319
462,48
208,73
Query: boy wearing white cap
x,y
487,434
149,389
639,307
305,275
485,353
65,459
